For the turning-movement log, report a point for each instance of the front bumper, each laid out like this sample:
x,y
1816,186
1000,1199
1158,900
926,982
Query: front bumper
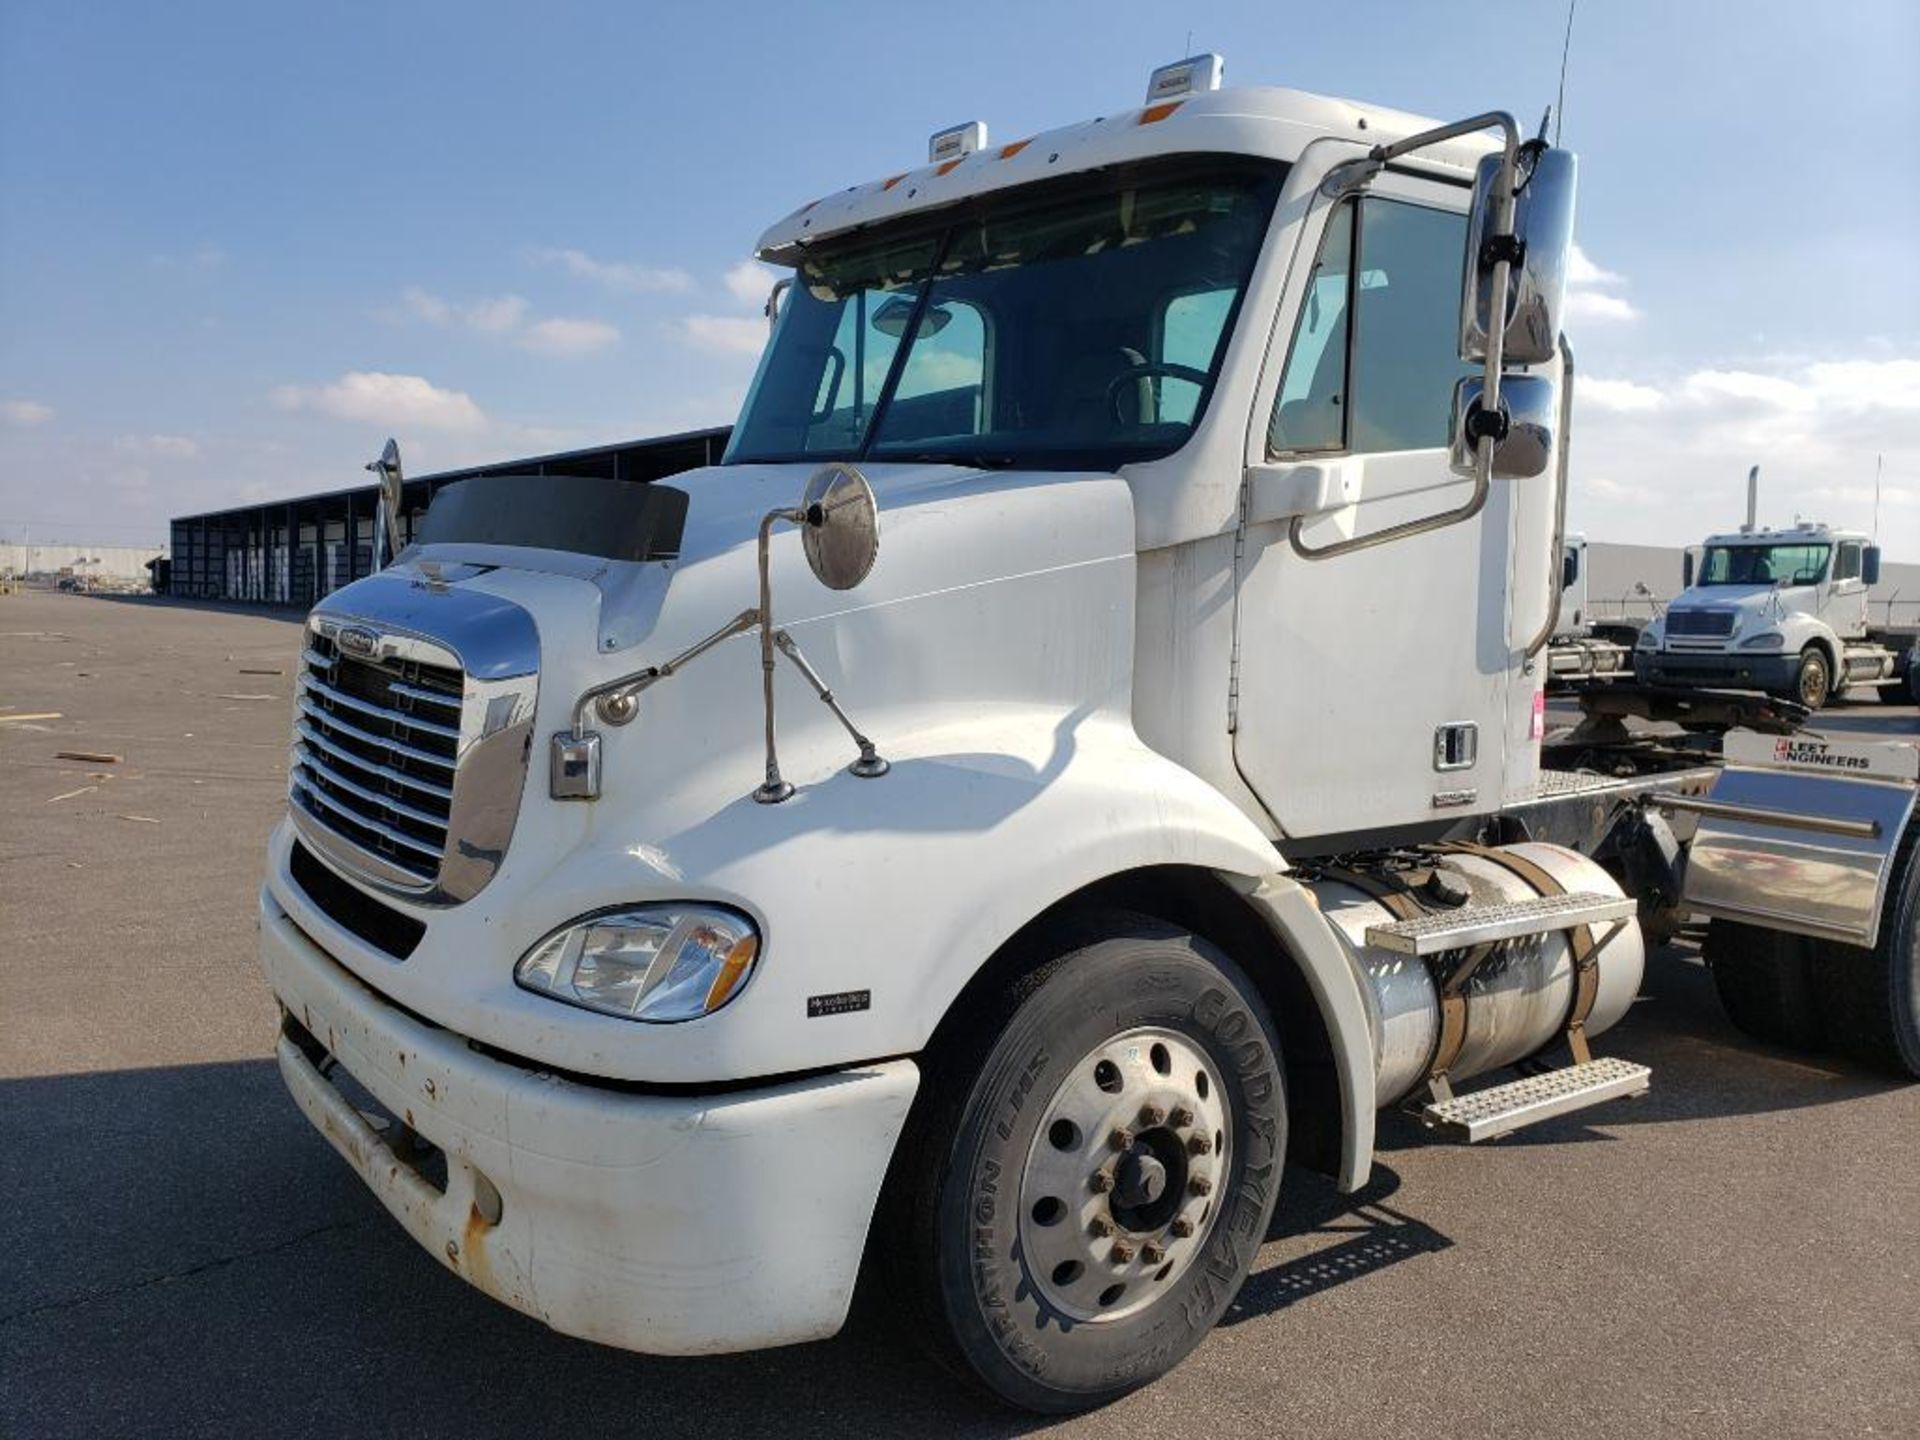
x,y
668,1224
1749,670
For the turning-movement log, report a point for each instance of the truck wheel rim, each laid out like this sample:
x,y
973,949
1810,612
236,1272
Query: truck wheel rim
x,y
1813,682
1120,1184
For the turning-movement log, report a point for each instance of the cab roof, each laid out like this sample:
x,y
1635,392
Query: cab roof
x,y
1807,532
1270,123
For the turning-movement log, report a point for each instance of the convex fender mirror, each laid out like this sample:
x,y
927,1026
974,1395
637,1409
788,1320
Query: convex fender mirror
x,y
1523,446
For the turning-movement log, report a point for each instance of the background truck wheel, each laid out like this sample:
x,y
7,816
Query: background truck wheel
x,y
1814,683
1871,998
1092,1169
1766,983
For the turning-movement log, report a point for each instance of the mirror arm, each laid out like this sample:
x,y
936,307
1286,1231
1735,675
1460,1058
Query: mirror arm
x,y
1556,565
1382,155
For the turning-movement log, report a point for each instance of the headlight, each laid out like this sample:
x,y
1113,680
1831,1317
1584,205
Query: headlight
x,y
1648,640
653,962
1771,640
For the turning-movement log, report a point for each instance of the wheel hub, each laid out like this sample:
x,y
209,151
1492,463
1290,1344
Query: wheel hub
x,y
1116,1198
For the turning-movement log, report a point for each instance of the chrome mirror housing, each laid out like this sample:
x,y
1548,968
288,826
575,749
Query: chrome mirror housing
x,y
1523,444
1540,250
386,471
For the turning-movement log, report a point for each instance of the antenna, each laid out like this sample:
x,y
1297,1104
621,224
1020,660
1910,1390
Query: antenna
x,y
1560,100
1879,465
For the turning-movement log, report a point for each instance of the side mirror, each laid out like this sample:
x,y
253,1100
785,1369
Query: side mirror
x,y
1870,565
1569,569
1530,405
386,471
1686,569
1543,230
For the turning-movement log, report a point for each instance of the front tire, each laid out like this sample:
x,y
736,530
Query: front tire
x,y
1094,1168
1813,684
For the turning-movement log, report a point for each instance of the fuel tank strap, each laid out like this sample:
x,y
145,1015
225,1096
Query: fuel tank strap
x,y
1580,941
1405,904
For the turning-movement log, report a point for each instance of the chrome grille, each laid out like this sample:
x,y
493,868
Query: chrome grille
x,y
376,748
1700,622
413,721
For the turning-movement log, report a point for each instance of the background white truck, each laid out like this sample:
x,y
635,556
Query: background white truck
x,y
1586,648
1011,808
1783,611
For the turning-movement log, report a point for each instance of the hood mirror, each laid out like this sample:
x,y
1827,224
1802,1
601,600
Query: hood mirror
x,y
840,527
1523,445
1543,245
386,471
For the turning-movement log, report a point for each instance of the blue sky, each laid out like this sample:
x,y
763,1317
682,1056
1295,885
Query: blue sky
x,y
241,243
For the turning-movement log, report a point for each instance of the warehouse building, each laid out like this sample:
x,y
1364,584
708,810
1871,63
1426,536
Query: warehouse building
x,y
292,552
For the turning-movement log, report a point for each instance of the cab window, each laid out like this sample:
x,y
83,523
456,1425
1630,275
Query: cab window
x,y
1846,564
1374,355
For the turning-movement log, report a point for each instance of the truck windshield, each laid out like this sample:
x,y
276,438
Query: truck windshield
x,y
1071,328
1764,564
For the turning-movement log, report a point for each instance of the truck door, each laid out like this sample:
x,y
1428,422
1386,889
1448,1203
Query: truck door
x,y
1372,686
1846,606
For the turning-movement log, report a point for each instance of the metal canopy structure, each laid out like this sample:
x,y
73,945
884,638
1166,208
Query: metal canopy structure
x,y
292,552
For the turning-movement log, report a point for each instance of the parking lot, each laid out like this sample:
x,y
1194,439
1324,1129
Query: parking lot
x,y
1735,1254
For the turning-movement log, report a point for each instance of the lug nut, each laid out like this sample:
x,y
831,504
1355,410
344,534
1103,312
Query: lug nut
x,y
1121,1138
1181,1117
1200,1185
1152,1254
1100,1227
1122,1253
1101,1181
1199,1145
1151,1115
1181,1228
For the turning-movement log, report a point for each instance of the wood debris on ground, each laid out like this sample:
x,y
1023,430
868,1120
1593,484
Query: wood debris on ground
x,y
143,819
92,757
83,790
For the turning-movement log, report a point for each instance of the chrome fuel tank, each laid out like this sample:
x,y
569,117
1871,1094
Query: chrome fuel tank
x,y
1519,998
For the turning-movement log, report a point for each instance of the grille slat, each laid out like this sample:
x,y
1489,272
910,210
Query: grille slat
x,y
403,718
313,737
388,804
431,697
409,752
386,832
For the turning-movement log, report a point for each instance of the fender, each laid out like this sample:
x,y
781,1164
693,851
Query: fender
x,y
1289,911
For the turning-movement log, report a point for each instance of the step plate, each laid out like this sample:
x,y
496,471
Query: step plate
x,y
1484,924
1502,1109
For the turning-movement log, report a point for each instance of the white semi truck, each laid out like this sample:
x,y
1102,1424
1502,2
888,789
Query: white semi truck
x,y
1783,611
1079,754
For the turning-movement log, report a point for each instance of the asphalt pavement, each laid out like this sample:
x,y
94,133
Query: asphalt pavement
x,y
1736,1254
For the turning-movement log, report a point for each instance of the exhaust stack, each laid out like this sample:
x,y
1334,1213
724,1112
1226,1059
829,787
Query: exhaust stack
x,y
1753,500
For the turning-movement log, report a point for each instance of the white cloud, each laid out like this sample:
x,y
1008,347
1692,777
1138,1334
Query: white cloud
x,y
1663,458
1587,286
1582,271
165,447
560,336
623,276
24,414
1590,306
749,282
735,334
1622,396
372,397
501,315
423,305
